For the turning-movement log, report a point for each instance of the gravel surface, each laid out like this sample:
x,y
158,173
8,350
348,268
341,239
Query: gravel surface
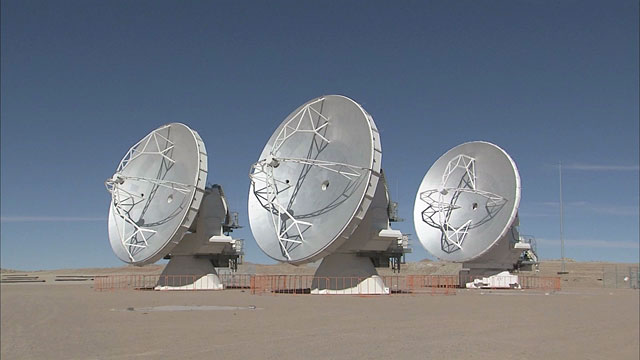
x,y
71,321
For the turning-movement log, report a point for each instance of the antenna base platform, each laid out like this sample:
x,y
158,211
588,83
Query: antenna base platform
x,y
347,274
502,280
188,272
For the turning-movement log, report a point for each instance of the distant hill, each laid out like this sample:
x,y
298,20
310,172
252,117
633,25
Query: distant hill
x,y
6,271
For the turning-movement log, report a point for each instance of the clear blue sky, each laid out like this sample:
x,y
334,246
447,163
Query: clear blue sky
x,y
548,81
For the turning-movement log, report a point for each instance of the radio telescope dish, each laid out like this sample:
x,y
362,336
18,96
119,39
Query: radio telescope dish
x,y
316,190
158,195
466,209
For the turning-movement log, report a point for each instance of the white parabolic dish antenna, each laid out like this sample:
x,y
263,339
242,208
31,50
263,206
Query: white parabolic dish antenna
x,y
318,189
158,195
158,182
466,209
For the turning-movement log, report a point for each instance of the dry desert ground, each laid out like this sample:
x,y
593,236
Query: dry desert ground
x,y
69,320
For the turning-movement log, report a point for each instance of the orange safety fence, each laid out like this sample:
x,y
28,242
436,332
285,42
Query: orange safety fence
x,y
309,284
172,282
286,284
384,285
548,283
529,282
432,284
236,281
396,284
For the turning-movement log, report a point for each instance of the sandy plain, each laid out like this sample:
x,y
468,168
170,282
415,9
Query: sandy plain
x,y
62,320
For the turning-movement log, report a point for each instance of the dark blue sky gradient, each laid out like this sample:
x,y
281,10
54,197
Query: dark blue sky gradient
x,y
548,81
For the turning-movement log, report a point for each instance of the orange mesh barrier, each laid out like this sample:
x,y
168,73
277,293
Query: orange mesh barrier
x,y
171,282
550,283
385,285
529,282
308,284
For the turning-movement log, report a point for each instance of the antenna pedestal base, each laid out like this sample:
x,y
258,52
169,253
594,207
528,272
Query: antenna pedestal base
x,y
347,274
488,278
187,272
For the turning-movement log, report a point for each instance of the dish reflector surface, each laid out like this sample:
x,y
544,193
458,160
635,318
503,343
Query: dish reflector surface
x,y
314,180
467,201
156,192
